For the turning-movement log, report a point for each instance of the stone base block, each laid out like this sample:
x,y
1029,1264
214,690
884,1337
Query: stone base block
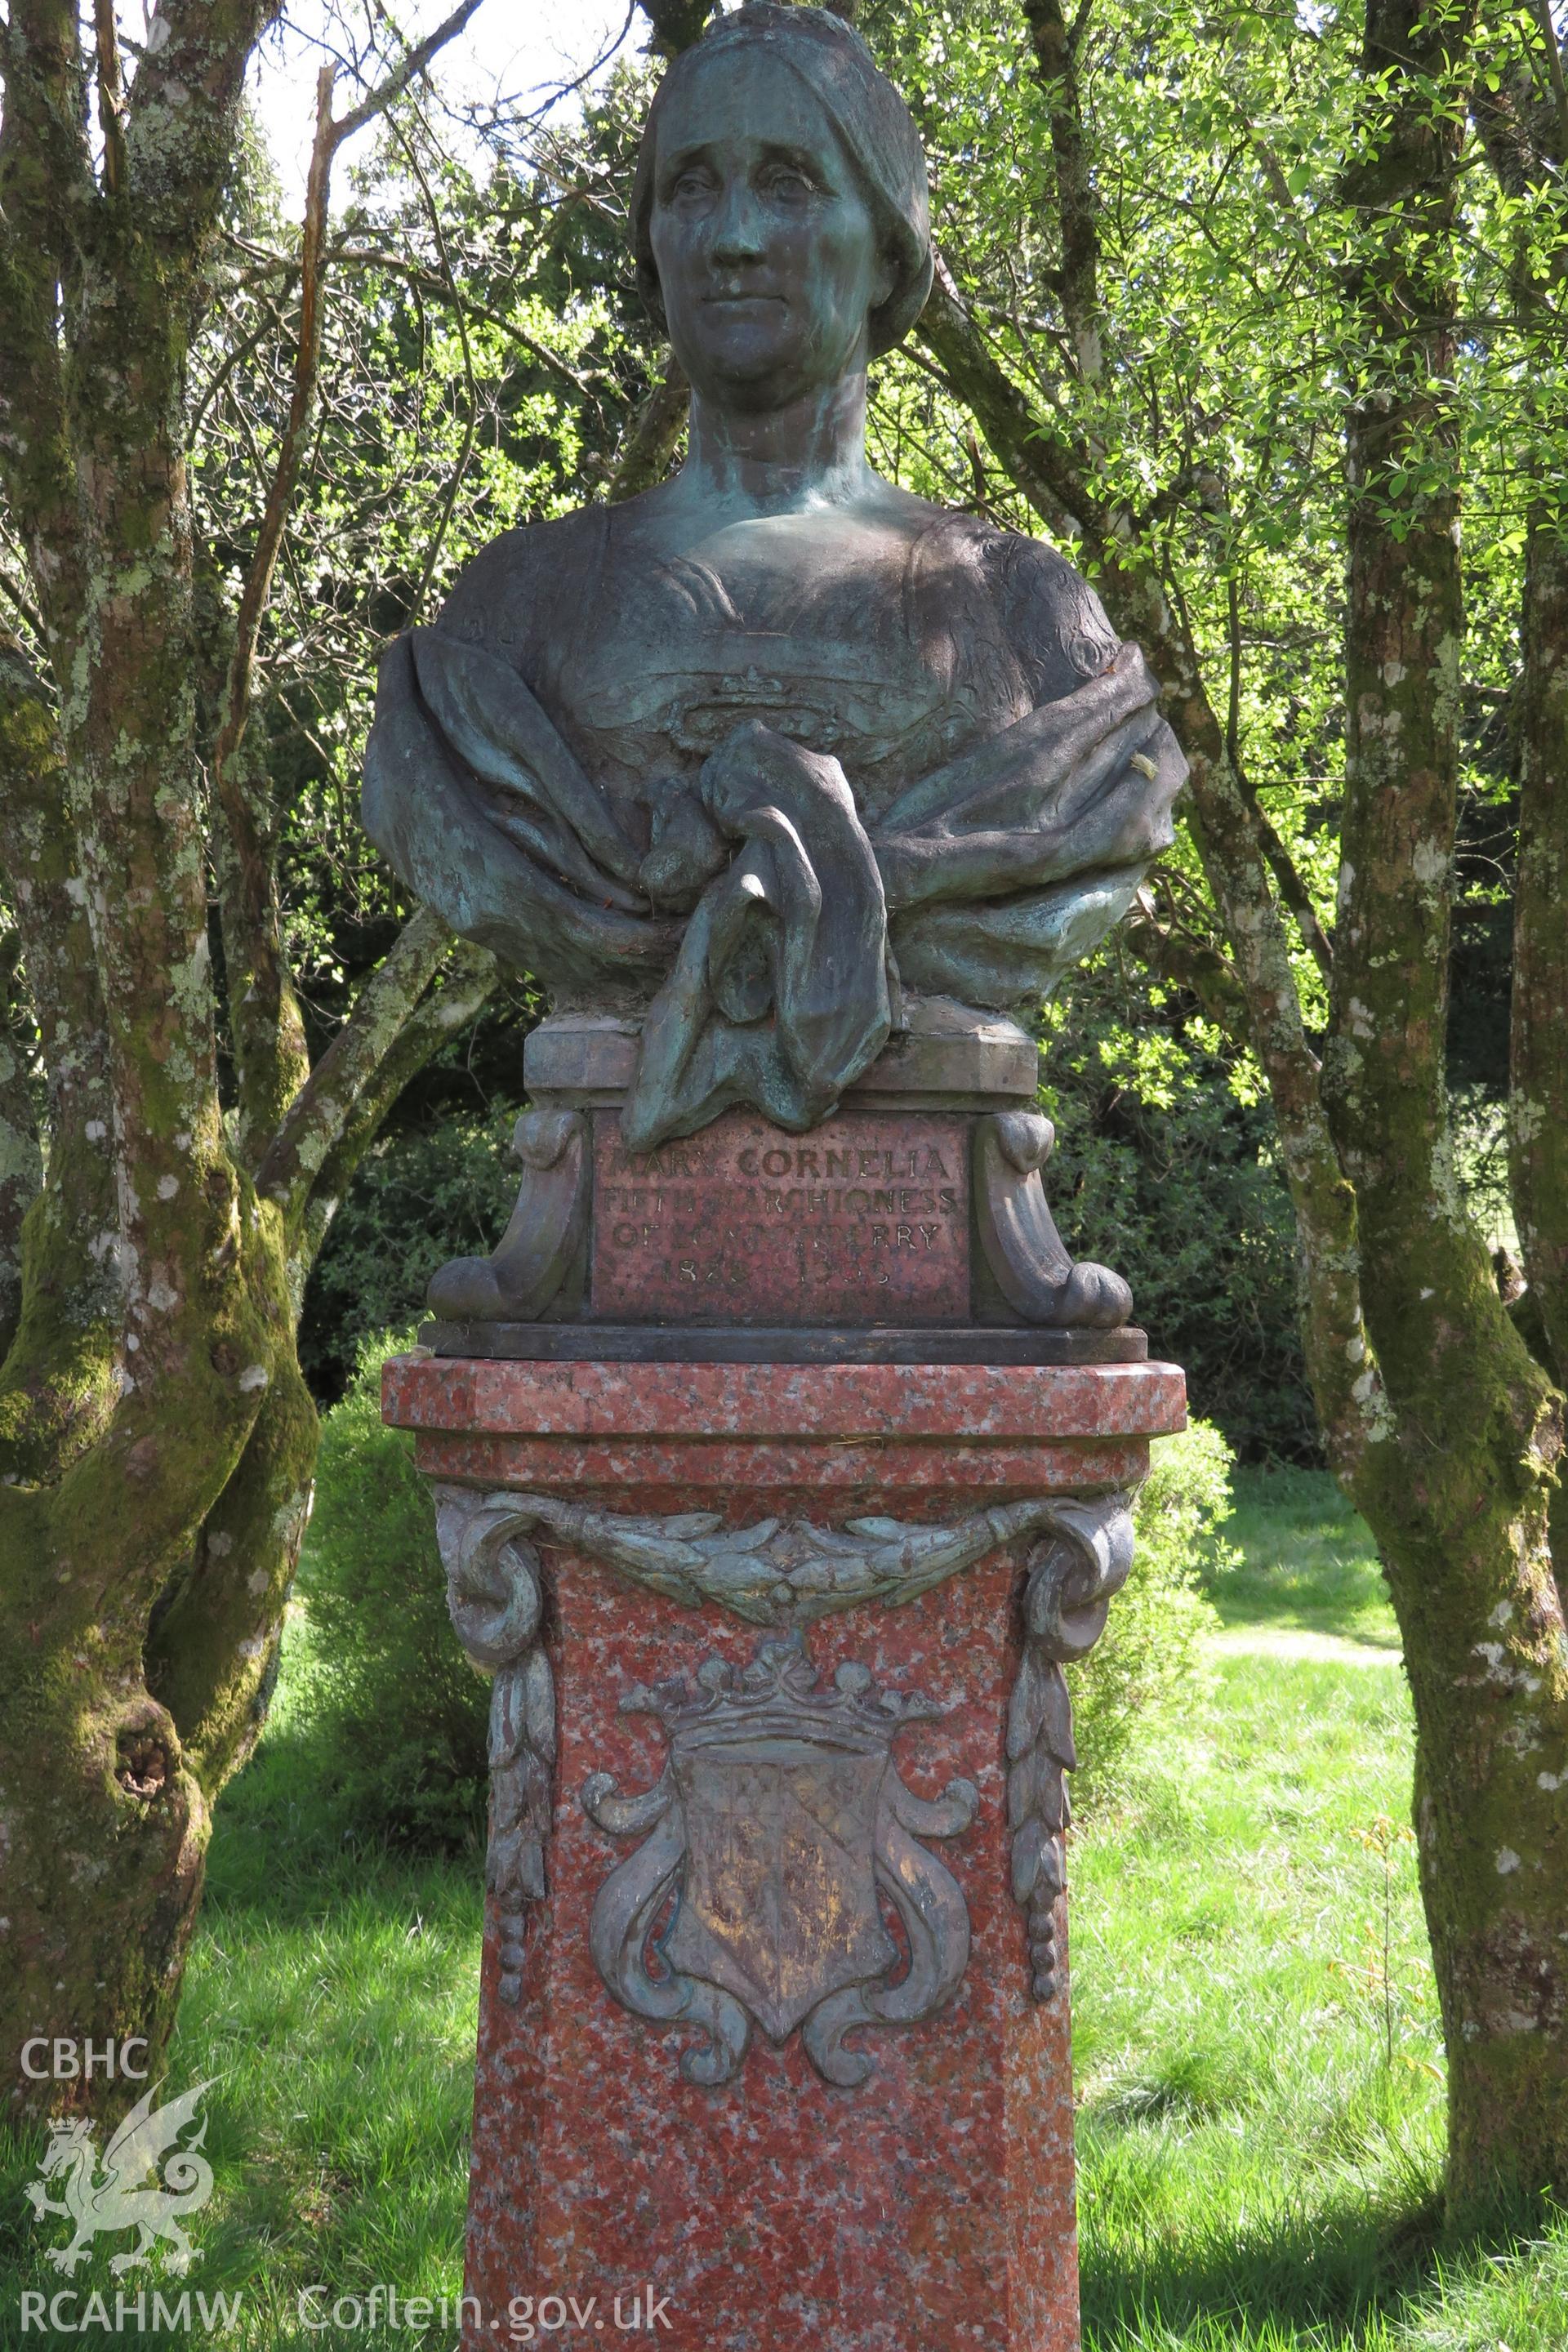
x,y
932,2206
774,2025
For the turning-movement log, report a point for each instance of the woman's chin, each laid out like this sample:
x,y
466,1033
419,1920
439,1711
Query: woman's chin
x,y
755,362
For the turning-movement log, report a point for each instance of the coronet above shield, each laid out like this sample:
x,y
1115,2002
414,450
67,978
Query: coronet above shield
x,y
783,1844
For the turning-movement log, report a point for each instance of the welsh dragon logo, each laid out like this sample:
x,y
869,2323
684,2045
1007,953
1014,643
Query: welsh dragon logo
x,y
120,2197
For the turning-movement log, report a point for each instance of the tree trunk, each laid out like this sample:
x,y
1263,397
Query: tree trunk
x,y
25,736
1538,1104
1438,1421
1455,1480
156,1438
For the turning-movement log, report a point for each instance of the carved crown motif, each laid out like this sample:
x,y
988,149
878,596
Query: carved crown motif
x,y
778,1696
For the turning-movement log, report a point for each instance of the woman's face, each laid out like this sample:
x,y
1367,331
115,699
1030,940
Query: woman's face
x,y
766,250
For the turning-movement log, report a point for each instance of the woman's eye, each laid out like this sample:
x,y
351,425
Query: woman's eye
x,y
792,186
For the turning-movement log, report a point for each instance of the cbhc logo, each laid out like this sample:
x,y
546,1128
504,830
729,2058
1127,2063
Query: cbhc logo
x,y
71,2061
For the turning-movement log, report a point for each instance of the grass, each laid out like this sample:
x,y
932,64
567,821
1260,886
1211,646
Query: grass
x,y
1308,1567
1260,2079
331,1997
1260,2129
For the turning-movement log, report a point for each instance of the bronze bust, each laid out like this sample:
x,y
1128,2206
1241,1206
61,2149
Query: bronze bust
x,y
759,754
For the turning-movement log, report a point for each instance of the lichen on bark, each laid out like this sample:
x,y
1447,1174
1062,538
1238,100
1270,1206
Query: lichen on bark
x,y
157,1442
1442,1427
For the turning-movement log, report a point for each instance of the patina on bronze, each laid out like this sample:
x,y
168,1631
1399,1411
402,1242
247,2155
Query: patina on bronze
x,y
756,758
778,1828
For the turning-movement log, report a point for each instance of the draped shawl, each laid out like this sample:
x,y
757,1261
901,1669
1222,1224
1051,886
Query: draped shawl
x,y
757,910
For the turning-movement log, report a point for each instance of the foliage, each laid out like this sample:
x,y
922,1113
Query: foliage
x,y
401,1713
1143,1680
430,1190
483,350
1166,1168
1260,313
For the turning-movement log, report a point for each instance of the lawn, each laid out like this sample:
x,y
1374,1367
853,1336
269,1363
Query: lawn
x,y
1255,2031
1258,2068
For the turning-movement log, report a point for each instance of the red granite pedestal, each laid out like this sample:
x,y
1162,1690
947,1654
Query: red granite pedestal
x,y
930,2206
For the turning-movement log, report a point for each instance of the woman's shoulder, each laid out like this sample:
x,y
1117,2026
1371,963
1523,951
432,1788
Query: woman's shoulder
x,y
1054,621
524,581
1022,591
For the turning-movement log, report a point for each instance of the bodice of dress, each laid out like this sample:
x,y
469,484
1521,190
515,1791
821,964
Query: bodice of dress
x,y
530,774
660,662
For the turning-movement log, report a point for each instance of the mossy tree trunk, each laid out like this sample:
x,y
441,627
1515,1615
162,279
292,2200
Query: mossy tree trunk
x,y
157,1442
1442,1425
1457,1477
1525,132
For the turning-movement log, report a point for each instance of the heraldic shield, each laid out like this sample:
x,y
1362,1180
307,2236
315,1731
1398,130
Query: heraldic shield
x,y
782,1840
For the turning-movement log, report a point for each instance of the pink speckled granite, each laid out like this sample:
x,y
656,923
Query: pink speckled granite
x,y
929,2211
932,2208
828,1401
838,1481
841,1440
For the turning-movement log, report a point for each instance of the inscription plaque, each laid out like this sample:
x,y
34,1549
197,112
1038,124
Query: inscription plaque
x,y
865,1220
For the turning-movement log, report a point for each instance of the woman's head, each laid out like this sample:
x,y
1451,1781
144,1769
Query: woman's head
x,y
779,213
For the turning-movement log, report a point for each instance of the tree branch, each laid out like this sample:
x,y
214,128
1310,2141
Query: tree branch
x,y
266,1029
53,1372
460,992
360,257
46,193
1427,1276
1554,69
1190,963
1538,1065
21,1149
470,423
1055,66
325,1106
649,441
279,497
1046,471
179,130
110,97
1281,865
378,100
1043,466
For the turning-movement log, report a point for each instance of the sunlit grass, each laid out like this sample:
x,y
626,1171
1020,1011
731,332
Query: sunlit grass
x,y
1308,1564
1260,2129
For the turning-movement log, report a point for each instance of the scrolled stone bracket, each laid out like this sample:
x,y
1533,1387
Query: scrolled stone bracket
x,y
781,1572
495,1597
1074,1573
1032,1264
545,1238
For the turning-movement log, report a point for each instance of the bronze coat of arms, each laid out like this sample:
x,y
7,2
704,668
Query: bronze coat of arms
x,y
783,1850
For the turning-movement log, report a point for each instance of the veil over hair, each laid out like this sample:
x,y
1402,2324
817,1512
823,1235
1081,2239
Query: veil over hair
x,y
871,117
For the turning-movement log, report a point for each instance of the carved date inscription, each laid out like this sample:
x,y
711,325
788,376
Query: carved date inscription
x,y
865,1220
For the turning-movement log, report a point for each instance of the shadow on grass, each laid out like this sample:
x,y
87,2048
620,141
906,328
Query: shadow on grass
x,y
1350,2273
1330,2265
1309,1561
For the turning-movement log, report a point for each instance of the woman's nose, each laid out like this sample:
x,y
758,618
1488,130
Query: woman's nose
x,y
737,226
